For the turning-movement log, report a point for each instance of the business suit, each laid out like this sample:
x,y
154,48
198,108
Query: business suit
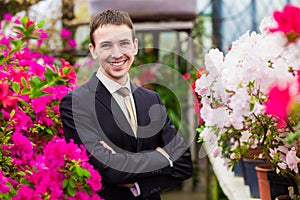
x,y
90,114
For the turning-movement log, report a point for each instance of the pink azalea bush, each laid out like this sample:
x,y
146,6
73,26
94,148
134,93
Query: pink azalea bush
x,y
250,96
35,160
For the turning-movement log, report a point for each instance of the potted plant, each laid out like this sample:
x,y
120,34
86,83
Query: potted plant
x,y
237,95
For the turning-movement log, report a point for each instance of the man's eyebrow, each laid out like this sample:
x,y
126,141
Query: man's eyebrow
x,y
124,40
105,42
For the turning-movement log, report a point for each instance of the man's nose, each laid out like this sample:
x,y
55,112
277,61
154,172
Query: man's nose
x,y
116,51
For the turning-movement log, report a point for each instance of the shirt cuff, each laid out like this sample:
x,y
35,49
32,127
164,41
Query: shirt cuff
x,y
136,190
170,161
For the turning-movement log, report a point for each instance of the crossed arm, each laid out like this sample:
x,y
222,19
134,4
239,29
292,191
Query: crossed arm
x,y
124,168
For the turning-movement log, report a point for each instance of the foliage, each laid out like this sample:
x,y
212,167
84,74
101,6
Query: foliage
x,y
36,162
251,96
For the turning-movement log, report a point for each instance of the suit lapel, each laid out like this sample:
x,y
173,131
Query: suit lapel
x,y
140,113
104,97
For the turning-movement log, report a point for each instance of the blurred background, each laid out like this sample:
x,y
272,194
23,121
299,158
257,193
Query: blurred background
x,y
175,33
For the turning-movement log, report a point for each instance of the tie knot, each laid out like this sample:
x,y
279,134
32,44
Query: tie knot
x,y
123,91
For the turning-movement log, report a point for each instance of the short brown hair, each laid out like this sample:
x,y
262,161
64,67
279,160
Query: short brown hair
x,y
111,16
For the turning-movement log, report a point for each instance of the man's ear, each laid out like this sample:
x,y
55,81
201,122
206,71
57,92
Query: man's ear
x,y
92,50
136,45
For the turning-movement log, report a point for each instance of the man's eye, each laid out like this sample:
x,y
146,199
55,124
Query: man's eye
x,y
106,46
125,43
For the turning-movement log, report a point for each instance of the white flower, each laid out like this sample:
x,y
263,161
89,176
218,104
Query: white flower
x,y
203,85
292,160
213,117
214,61
245,136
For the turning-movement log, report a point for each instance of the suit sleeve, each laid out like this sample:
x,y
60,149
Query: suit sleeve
x,y
179,153
117,168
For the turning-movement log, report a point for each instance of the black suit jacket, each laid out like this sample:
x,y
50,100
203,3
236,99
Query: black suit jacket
x,y
90,114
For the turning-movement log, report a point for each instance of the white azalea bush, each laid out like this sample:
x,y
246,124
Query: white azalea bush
x,y
236,90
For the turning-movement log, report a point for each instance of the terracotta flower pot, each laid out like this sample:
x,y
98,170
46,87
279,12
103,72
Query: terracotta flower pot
x,y
263,183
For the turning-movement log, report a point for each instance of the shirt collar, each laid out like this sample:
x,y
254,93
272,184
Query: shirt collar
x,y
111,85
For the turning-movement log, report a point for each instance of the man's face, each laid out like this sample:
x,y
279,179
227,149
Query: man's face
x,y
115,50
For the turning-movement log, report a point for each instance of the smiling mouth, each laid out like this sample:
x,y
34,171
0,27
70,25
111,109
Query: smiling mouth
x,y
118,63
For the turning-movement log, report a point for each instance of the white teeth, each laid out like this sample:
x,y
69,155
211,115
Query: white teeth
x,y
117,64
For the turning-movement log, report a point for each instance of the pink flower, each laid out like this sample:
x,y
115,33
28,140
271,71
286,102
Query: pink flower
x,y
22,147
71,74
40,104
7,101
277,104
288,21
95,180
48,59
8,16
82,195
57,150
43,34
292,160
35,69
72,43
65,33
22,121
298,73
5,41
3,187
54,153
47,180
186,76
25,192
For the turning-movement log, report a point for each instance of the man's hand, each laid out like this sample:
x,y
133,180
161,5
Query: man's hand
x,y
165,154
128,185
107,147
162,151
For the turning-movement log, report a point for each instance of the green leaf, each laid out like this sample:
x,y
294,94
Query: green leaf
x,y
41,24
200,139
50,131
12,113
37,93
30,29
72,182
66,70
16,87
65,183
49,74
292,137
20,28
24,20
25,91
35,81
24,83
57,82
2,59
86,173
21,173
71,191
79,171
17,43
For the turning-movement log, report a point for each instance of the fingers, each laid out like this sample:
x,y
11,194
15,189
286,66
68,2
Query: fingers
x,y
128,185
161,150
107,147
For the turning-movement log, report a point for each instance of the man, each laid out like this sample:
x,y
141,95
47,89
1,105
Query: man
x,y
132,144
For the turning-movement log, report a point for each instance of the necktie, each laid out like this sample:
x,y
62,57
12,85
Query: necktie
x,y
124,92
